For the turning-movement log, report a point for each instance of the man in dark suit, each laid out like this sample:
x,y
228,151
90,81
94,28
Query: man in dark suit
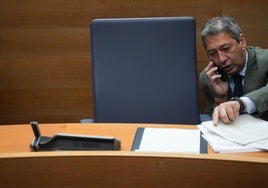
x,y
235,80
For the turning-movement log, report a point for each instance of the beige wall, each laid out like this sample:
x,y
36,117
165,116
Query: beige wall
x,y
45,64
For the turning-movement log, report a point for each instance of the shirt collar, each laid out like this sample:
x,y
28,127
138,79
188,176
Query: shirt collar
x,y
243,71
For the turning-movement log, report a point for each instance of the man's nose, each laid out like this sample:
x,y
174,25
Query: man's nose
x,y
221,56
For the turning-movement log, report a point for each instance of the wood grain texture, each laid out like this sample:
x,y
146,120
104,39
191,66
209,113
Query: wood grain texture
x,y
45,60
22,168
128,170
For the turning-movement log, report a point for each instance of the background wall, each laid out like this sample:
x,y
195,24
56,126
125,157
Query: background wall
x,y
45,60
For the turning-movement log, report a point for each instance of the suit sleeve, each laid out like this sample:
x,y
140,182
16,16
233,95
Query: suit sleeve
x,y
260,95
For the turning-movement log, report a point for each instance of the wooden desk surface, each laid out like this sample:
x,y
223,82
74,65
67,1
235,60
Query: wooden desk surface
x,y
17,138
120,168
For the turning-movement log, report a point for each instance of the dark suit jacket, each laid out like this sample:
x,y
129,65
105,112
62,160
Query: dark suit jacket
x,y
255,82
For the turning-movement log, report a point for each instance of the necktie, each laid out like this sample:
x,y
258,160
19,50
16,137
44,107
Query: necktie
x,y
238,88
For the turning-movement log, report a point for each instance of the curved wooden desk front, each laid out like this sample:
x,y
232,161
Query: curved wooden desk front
x,y
19,167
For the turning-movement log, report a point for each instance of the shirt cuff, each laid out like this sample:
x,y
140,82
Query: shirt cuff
x,y
251,107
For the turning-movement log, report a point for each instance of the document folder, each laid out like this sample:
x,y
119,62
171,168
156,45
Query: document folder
x,y
164,135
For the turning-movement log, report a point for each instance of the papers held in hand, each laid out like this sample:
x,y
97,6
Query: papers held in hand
x,y
71,142
169,140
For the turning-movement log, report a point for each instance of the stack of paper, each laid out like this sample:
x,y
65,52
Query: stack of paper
x,y
244,134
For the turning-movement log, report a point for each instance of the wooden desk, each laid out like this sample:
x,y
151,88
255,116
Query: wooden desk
x,y
22,168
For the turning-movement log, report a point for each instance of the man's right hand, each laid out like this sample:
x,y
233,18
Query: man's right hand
x,y
227,112
219,86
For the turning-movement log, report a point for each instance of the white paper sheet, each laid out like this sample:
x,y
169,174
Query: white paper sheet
x,y
243,130
170,140
262,144
221,145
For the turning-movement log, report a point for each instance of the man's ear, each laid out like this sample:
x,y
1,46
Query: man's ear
x,y
242,40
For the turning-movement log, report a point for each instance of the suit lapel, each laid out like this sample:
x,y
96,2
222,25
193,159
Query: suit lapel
x,y
250,81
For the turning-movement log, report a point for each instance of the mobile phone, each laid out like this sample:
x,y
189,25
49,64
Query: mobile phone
x,y
222,73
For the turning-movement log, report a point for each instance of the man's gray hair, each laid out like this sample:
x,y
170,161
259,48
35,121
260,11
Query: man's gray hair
x,y
221,24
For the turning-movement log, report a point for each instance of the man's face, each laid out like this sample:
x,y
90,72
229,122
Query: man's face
x,y
227,53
